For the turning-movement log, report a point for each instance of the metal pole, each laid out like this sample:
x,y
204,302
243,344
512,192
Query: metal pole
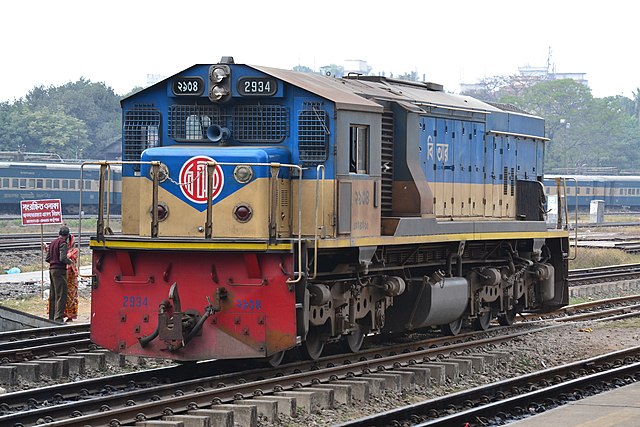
x,y
41,261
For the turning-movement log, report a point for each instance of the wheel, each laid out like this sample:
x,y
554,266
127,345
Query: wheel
x,y
275,359
482,322
354,340
507,319
313,345
452,328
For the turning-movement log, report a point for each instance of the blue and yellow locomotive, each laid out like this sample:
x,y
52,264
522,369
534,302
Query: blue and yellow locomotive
x,y
266,210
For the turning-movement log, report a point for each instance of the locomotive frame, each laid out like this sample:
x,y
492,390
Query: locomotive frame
x,y
266,210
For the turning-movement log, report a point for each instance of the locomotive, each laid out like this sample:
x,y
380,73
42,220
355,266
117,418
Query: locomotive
x,y
267,210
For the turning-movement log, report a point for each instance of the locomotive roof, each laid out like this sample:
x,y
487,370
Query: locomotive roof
x,y
355,93
358,93
328,87
582,178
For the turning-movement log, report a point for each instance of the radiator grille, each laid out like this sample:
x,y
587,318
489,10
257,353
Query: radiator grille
x,y
141,131
387,163
313,134
505,180
260,123
190,122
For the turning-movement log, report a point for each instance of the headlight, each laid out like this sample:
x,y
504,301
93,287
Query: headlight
x,y
218,92
243,173
218,75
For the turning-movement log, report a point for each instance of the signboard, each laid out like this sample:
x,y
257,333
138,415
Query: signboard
x,y
40,212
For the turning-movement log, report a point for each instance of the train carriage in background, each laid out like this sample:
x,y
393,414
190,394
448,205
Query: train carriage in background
x,y
266,210
618,192
56,180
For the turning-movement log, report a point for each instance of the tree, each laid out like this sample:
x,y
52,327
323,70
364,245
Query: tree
x,y
501,88
93,103
583,131
636,103
411,76
55,132
73,120
302,69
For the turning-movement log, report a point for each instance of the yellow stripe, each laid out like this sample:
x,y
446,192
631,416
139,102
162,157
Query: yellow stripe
x,y
326,243
163,245
438,238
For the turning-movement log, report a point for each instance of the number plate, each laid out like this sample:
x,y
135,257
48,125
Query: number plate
x,y
191,86
257,86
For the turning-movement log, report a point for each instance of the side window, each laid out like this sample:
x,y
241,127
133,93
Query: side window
x,y
359,149
65,184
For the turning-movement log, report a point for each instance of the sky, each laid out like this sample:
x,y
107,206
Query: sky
x,y
120,42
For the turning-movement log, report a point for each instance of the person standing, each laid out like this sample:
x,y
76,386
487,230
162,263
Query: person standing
x,y
71,310
58,261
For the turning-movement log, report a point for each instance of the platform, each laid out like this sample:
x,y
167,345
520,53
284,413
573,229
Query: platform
x,y
618,407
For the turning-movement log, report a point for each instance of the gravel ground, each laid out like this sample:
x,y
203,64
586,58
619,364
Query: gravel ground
x,y
526,354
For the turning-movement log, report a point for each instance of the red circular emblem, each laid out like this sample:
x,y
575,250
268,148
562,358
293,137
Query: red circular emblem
x,y
193,179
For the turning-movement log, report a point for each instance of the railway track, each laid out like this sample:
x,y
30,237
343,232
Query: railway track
x,y
30,344
182,388
513,399
31,241
604,274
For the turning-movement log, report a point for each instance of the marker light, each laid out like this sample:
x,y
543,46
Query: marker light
x,y
243,173
242,212
163,211
163,173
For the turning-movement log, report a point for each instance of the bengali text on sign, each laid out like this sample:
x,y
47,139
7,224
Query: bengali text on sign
x,y
39,212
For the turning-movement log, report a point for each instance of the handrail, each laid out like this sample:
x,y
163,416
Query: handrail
x,y
210,170
273,166
575,225
563,211
316,228
105,165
